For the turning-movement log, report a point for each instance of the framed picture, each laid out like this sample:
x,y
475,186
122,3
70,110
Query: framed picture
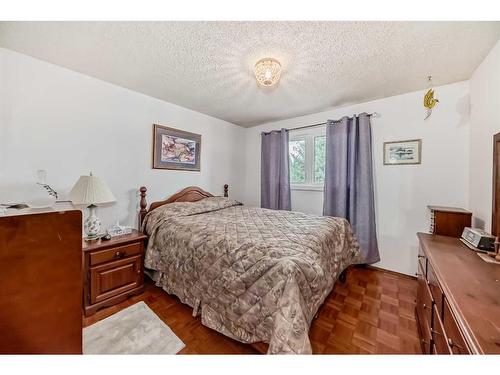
x,y
403,152
176,149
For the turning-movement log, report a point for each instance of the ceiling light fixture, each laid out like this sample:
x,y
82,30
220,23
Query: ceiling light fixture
x,y
267,71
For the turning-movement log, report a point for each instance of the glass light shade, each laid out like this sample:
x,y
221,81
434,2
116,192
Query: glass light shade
x,y
267,71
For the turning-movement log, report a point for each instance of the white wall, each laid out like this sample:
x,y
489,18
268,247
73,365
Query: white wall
x,y
69,124
402,192
485,122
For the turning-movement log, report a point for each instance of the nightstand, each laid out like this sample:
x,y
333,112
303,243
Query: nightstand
x,y
113,270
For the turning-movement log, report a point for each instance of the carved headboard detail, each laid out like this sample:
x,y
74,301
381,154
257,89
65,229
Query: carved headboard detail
x,y
189,194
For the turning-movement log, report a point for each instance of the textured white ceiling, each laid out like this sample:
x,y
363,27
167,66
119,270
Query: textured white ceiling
x,y
208,66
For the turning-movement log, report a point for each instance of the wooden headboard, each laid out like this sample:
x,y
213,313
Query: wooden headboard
x,y
189,194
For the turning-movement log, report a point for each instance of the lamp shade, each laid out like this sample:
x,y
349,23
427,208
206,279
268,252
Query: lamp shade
x,y
91,190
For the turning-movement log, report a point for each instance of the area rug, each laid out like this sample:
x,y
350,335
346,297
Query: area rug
x,y
134,330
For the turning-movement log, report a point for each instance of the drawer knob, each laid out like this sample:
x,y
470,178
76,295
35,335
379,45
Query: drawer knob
x,y
425,306
118,254
438,333
452,344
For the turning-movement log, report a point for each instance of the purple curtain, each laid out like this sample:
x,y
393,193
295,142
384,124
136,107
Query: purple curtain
x,y
275,175
348,190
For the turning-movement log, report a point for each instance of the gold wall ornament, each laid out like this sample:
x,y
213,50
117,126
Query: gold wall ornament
x,y
429,100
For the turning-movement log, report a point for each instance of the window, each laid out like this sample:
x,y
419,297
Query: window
x,y
297,149
319,159
307,159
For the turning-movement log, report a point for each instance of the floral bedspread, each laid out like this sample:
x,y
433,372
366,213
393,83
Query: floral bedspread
x,y
254,274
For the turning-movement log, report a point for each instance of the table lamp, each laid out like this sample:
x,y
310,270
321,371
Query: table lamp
x,y
91,191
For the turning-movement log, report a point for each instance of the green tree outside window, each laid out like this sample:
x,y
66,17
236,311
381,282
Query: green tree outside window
x,y
297,151
319,159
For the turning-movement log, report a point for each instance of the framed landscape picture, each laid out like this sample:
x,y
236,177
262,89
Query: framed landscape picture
x,y
176,149
403,152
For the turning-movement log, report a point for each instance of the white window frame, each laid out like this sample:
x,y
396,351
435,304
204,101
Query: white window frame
x,y
308,135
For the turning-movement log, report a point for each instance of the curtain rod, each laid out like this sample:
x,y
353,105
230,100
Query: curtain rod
x,y
374,114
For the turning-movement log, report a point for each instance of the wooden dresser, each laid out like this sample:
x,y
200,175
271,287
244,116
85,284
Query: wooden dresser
x,y
113,270
41,282
458,298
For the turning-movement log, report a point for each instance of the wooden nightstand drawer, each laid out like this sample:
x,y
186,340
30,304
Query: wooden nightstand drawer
x,y
115,278
115,253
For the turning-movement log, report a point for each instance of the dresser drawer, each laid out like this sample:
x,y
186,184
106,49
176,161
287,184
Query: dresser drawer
x,y
439,337
116,253
422,260
422,264
424,311
426,341
425,297
436,291
455,339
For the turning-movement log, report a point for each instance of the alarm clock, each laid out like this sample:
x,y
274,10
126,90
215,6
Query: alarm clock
x,y
478,239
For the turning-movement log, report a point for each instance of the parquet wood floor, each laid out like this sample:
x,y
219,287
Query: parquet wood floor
x,y
372,312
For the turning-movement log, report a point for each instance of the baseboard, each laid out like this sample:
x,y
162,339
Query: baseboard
x,y
391,272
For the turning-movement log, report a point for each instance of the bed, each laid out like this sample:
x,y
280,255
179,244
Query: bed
x,y
253,274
